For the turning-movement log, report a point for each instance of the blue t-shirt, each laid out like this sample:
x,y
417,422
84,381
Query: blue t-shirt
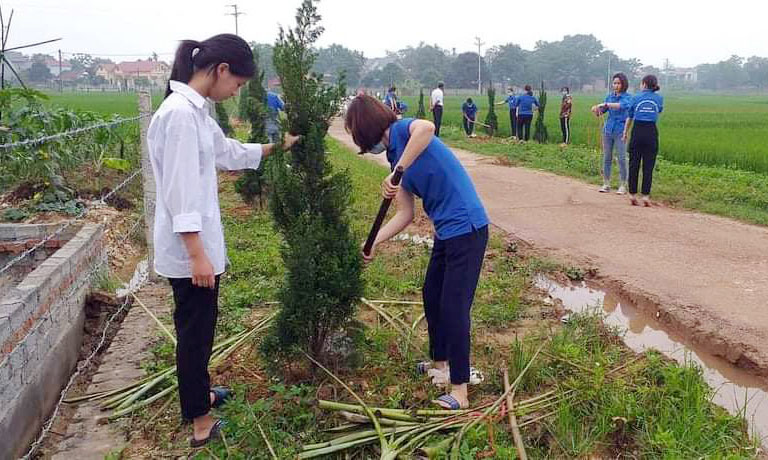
x,y
525,104
646,106
511,101
617,118
439,179
274,106
469,109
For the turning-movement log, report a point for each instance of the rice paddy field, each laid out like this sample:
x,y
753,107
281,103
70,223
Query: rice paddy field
x,y
699,129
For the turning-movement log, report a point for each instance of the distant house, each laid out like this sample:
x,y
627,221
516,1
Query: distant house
x,y
682,74
133,74
53,66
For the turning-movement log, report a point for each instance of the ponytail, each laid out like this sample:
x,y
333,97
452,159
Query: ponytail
x,y
193,56
651,82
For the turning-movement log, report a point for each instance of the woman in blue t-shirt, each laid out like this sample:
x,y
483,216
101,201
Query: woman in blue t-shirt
x,y
434,174
644,144
525,105
617,105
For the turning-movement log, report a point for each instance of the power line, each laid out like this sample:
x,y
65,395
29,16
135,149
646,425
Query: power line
x,y
236,14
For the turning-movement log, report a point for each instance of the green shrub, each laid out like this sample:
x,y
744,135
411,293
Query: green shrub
x,y
491,120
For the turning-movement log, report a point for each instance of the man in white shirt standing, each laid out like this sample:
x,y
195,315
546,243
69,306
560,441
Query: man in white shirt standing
x,y
436,106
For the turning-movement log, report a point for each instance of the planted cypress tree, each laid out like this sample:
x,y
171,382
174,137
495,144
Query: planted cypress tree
x,y
540,134
253,108
308,201
491,119
422,112
222,118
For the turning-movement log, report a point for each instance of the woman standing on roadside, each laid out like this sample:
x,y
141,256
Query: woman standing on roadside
x,y
525,109
616,104
644,144
566,107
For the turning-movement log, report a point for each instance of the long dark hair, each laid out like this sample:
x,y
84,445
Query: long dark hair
x,y
651,82
367,119
624,81
193,56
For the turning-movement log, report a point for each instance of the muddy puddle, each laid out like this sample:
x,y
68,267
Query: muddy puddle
x,y
735,390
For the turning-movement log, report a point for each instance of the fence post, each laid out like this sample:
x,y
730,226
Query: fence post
x,y
145,111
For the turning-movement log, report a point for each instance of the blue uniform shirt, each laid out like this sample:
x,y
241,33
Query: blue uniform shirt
x,y
469,109
617,118
439,179
646,106
525,104
512,101
274,102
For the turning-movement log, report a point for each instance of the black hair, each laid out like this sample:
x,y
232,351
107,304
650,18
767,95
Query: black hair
x,y
624,81
529,90
469,100
193,56
651,82
440,85
567,90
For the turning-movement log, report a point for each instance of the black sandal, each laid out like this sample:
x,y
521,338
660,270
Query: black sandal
x,y
214,434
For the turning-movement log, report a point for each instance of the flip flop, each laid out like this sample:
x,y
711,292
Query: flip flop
x,y
444,377
423,367
453,403
214,434
220,396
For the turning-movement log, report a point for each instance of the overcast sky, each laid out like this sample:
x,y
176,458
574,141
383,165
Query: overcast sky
x,y
687,32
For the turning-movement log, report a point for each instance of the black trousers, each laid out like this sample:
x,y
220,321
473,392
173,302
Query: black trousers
x,y
643,149
469,126
565,127
437,113
195,320
449,289
513,122
524,126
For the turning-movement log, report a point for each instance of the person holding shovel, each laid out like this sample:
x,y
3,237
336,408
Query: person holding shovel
x,y
433,173
469,111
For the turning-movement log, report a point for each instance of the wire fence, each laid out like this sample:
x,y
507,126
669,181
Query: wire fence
x,y
70,133
101,266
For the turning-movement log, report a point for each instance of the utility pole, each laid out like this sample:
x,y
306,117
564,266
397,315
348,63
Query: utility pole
x,y
479,44
236,13
61,85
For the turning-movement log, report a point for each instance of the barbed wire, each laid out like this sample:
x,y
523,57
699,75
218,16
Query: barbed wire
x,y
69,223
87,362
73,132
80,367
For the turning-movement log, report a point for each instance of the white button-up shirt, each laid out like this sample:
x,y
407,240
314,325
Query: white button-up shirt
x,y
437,97
186,146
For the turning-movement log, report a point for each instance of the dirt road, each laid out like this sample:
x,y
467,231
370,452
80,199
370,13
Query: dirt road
x,y
706,277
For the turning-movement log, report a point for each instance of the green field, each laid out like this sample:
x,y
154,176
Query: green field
x,y
105,103
705,129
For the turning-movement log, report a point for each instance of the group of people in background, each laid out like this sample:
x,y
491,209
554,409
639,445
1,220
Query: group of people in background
x,y
640,113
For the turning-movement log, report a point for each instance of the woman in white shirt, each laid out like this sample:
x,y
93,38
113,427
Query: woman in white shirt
x,y
186,146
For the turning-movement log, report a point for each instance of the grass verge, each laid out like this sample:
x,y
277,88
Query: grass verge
x,y
611,402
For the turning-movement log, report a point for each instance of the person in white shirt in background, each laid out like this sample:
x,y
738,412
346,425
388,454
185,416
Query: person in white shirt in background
x,y
436,102
186,146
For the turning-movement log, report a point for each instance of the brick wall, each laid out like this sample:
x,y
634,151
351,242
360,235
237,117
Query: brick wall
x,y
41,327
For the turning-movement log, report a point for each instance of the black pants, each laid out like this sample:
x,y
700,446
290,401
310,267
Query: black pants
x,y
643,148
449,289
524,126
513,122
469,126
437,113
565,127
195,320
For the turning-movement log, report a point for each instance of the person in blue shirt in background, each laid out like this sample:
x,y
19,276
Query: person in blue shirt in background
x,y
390,100
469,109
644,144
525,103
274,106
511,102
434,174
616,104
